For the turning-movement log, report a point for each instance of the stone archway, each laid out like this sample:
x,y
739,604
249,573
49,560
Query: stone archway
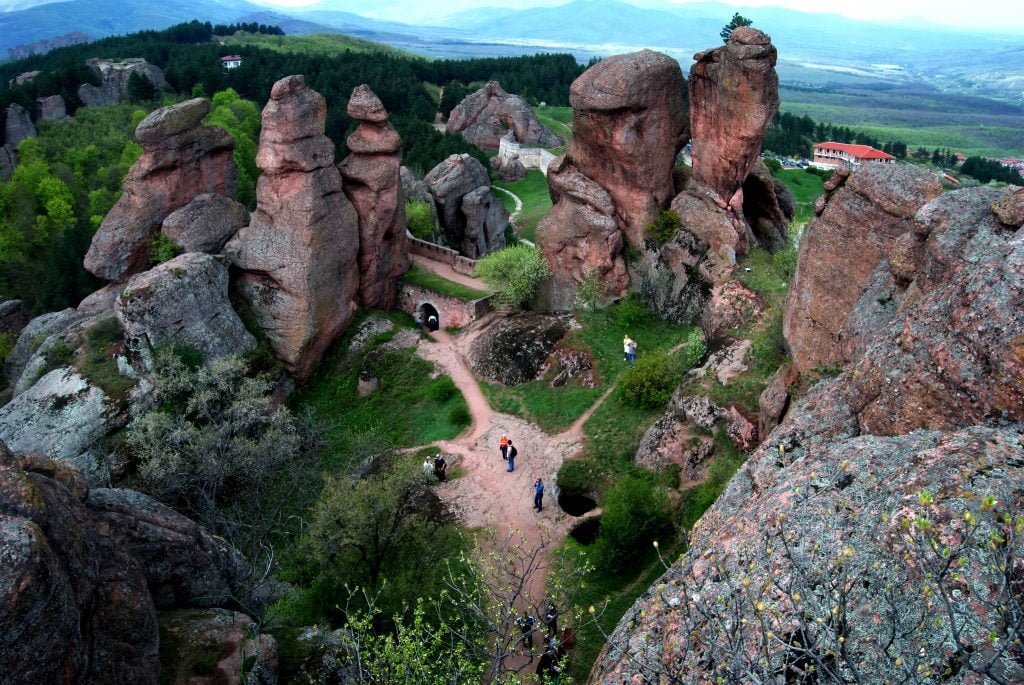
x,y
426,310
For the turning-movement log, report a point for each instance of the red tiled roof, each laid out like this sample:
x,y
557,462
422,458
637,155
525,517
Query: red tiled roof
x,y
858,151
231,58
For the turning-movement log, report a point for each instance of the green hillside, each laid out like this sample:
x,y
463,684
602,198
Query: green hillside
x,y
326,44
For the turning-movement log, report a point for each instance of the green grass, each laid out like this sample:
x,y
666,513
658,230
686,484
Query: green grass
x,y
559,120
434,91
533,191
357,427
426,279
805,188
696,500
327,44
553,409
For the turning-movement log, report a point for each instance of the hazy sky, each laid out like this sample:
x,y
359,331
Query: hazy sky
x,y
998,15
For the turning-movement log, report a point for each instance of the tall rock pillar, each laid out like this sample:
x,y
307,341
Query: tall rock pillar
x,y
372,182
298,254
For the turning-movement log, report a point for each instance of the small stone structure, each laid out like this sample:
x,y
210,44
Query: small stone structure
x,y
440,253
451,311
531,157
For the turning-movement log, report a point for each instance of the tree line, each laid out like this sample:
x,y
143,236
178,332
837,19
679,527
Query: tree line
x,y
794,136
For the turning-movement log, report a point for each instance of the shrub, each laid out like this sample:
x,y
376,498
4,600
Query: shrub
x,y
651,382
631,311
664,226
636,512
162,249
419,219
514,273
773,165
442,390
459,415
575,476
588,295
60,354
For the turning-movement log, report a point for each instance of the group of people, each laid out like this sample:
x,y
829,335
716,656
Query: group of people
x,y
508,453
549,664
629,351
435,468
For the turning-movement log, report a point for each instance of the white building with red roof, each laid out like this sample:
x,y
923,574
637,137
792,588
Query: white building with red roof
x,y
231,61
834,155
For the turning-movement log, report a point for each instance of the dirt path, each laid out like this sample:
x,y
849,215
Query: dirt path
x,y
447,272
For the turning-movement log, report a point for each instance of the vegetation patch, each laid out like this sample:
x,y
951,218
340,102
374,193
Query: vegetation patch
x,y
533,192
417,275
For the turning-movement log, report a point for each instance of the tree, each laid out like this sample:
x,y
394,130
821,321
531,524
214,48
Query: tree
x,y
737,21
140,88
513,273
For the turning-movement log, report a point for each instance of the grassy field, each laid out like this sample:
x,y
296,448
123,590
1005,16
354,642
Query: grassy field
x,y
806,188
533,191
559,120
329,44
426,279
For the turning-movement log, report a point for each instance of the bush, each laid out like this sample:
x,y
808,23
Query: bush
x,y
651,382
635,514
419,219
162,249
773,165
664,226
514,273
575,477
631,311
459,415
588,295
442,390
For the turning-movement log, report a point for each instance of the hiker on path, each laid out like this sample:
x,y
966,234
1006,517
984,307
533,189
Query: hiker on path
x,y
440,467
503,447
625,348
428,469
551,621
631,352
538,495
525,624
432,323
512,452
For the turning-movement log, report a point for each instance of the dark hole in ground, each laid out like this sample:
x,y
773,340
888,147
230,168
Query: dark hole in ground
x,y
585,532
576,505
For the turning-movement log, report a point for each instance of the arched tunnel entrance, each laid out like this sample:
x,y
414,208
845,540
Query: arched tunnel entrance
x,y
430,317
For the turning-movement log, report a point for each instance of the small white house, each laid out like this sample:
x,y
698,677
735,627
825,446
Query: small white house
x,y
231,61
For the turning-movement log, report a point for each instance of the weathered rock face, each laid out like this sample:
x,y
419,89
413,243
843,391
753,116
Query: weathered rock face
x,y
19,125
114,76
483,118
7,163
628,127
299,253
372,182
51,108
934,404
23,78
14,316
579,237
192,636
180,160
183,301
205,224
509,169
767,207
81,570
514,350
474,221
862,219
734,93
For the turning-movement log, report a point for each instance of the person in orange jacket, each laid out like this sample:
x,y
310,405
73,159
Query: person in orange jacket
x,y
503,446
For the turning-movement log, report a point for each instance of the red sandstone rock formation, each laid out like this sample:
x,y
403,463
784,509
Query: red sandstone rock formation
x,y
483,118
628,126
298,255
180,160
734,93
857,228
473,219
372,183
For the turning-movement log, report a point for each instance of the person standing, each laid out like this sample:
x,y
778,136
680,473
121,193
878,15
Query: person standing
x,y
631,352
428,469
625,348
440,468
525,624
503,447
551,621
538,495
512,452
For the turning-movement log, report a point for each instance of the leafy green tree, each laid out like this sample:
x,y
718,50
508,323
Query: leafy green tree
x,y
664,226
140,88
636,513
737,21
240,118
419,219
651,382
514,274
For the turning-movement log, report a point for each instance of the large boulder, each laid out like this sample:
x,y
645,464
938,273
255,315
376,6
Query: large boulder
x,y
298,256
192,638
180,160
921,437
14,316
52,108
484,116
183,301
628,127
767,207
862,219
18,126
515,349
205,224
473,219
81,569
734,93
372,181
114,76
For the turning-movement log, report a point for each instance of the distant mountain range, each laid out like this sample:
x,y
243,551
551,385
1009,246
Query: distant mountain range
x,y
813,47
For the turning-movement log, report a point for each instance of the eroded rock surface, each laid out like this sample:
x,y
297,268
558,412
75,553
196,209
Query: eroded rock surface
x,y
114,75
193,636
373,183
180,160
298,255
183,301
205,224
52,108
484,116
81,570
473,219
515,349
18,126
864,216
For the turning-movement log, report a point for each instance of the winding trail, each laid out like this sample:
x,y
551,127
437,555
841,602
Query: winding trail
x,y
447,272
